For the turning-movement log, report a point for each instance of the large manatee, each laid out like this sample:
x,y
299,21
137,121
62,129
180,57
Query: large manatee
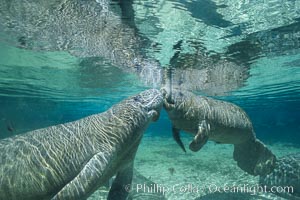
x,y
71,160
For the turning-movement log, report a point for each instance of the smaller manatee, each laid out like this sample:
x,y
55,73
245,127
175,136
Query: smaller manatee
x,y
223,122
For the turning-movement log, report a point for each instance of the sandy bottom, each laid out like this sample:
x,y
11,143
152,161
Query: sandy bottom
x,y
210,173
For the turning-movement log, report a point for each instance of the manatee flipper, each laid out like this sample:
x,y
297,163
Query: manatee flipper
x,y
122,181
154,115
176,136
86,180
168,102
254,157
201,137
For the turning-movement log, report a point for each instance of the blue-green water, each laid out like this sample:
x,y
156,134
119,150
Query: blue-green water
x,y
64,60
43,83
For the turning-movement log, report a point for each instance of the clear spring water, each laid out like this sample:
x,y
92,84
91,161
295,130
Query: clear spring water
x,y
48,75
63,60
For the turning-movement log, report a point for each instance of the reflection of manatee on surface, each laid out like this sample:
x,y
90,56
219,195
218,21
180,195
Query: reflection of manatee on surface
x,y
71,160
91,29
223,122
285,174
83,28
211,75
218,79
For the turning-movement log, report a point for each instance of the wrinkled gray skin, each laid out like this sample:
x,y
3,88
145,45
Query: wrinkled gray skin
x,y
70,161
209,119
286,173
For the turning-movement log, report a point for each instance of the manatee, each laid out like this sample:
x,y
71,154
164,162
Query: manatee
x,y
71,160
223,122
286,174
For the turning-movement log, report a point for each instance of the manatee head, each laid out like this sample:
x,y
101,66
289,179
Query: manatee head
x,y
151,101
183,111
177,103
174,99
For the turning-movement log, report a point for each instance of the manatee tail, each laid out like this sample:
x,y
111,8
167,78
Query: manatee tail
x,y
254,157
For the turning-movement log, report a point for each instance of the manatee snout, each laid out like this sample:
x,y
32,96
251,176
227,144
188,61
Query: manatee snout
x,y
152,101
164,91
168,100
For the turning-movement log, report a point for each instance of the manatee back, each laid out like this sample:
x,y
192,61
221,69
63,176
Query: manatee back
x,y
197,107
223,113
35,165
